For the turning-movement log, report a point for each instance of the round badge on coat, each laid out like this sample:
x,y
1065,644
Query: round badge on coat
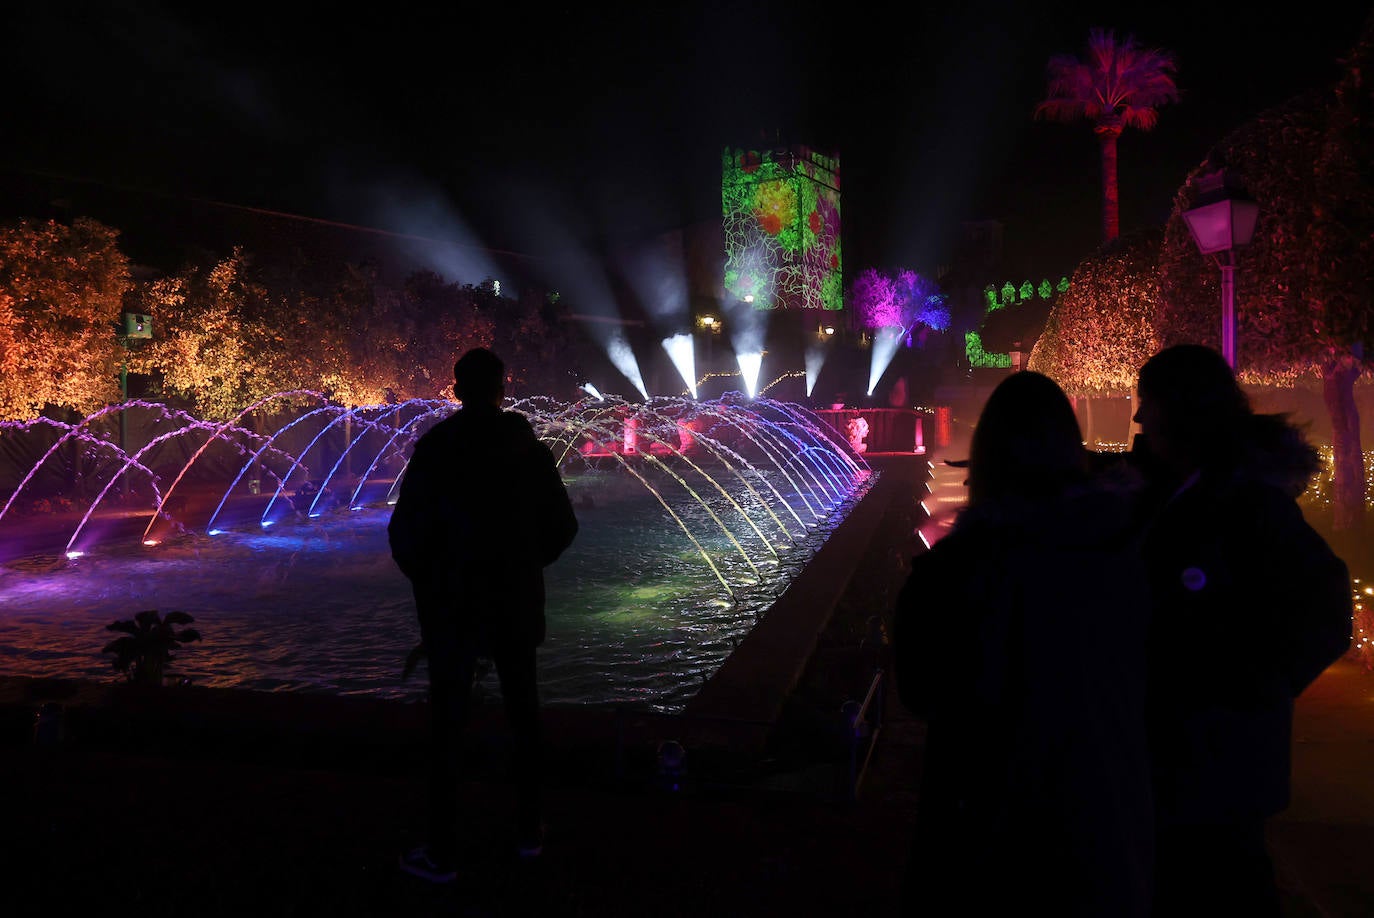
x,y
1194,579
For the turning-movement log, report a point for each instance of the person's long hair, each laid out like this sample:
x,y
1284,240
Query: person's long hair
x,y
1027,443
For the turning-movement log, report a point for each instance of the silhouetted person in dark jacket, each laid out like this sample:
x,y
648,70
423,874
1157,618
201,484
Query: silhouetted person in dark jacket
x,y
1250,606
482,511
1019,638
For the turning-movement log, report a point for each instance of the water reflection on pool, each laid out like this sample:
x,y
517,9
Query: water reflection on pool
x,y
636,616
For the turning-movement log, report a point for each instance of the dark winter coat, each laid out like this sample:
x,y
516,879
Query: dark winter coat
x,y
1251,605
482,510
1019,638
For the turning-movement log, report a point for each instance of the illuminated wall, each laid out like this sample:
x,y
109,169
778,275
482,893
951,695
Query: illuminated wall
x,y
781,218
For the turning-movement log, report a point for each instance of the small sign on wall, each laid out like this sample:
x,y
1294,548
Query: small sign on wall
x,y
137,325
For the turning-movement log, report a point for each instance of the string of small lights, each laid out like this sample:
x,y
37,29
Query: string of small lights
x,y
1322,489
793,374
1362,641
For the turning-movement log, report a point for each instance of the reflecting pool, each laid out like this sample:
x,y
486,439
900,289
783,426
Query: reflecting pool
x,y
694,517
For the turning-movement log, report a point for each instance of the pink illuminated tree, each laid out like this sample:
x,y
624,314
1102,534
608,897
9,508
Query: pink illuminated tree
x,y
902,301
873,298
1120,85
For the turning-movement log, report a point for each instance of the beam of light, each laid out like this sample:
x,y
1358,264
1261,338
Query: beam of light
x,y
748,330
593,391
815,359
749,365
621,354
578,273
658,276
748,326
679,348
885,343
432,232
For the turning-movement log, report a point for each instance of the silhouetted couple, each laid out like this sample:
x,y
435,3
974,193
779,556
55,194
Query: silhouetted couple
x,y
482,510
1106,651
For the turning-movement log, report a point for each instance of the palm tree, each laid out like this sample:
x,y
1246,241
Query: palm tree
x,y
1119,86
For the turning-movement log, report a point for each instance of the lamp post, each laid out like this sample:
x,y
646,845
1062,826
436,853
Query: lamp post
x,y
1221,220
133,326
711,325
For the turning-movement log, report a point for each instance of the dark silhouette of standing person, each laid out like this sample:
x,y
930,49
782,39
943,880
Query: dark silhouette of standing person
x,y
1251,605
1019,638
482,510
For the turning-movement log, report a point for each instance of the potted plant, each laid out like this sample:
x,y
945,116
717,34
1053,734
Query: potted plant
x,y
144,651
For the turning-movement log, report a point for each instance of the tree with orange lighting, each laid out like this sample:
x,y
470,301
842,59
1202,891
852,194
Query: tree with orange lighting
x,y
61,293
1104,326
1119,85
361,341
434,322
222,342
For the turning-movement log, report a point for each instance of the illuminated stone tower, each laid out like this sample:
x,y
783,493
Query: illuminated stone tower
x,y
780,214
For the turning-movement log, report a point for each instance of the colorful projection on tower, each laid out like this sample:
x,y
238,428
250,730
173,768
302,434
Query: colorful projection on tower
x,y
781,217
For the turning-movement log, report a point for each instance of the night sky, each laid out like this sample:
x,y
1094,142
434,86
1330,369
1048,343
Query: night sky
x,y
550,130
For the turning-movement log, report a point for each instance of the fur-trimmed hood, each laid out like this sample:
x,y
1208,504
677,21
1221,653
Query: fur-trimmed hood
x,y
1275,452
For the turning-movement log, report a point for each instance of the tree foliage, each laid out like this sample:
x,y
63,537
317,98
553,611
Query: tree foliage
x,y
1104,327
221,340
61,292
1279,339
1305,285
230,332
1119,85
900,299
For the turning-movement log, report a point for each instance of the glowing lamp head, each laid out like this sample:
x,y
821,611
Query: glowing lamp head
x,y
1223,216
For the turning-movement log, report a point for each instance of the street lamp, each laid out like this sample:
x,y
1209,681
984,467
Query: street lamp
x,y
1222,219
712,327
133,326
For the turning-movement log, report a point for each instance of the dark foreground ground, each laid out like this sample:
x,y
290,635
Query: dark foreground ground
x,y
195,802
